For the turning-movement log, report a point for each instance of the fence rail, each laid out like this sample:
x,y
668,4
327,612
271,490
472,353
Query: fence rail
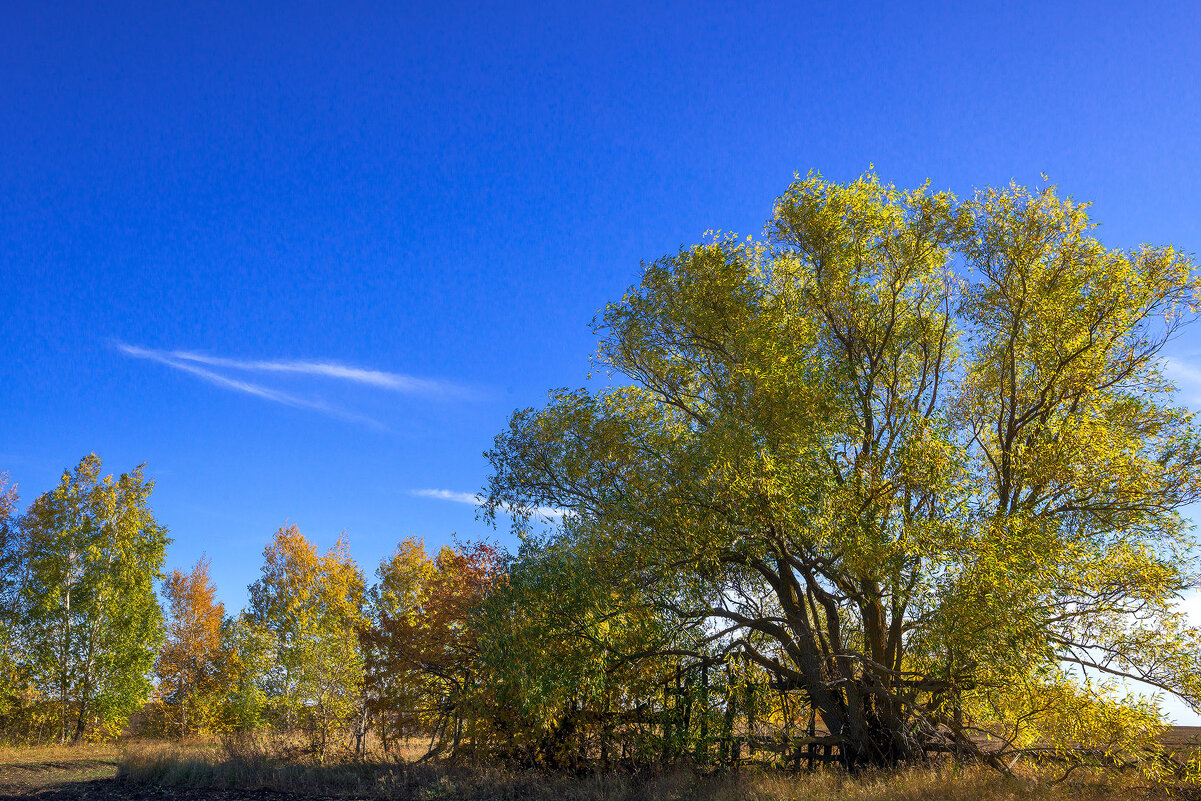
x,y
805,751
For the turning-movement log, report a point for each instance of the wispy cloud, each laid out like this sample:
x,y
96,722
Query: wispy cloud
x,y
257,390
450,495
394,382
478,500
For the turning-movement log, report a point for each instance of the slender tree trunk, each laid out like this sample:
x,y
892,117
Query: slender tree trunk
x,y
81,723
684,690
360,730
702,744
64,666
750,717
667,720
606,733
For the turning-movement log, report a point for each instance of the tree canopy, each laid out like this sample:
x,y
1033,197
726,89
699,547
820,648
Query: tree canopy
x,y
903,477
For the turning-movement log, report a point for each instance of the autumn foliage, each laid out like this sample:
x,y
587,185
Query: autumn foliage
x,y
191,665
423,649
298,639
83,620
877,490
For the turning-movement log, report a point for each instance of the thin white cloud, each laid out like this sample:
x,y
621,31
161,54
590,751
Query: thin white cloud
x,y
1186,377
1190,604
257,390
394,382
450,495
472,499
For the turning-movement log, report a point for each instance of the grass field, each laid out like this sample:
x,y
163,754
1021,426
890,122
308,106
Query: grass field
x,y
191,772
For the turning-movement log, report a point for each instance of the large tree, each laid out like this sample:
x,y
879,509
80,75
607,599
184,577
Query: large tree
x,y
916,455
89,553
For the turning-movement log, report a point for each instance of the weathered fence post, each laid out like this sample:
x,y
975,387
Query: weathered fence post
x,y
667,720
750,717
812,734
702,745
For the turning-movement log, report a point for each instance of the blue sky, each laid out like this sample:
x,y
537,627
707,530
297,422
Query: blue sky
x,y
305,259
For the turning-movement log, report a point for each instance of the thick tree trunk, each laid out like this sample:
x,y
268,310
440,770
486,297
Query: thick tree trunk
x,y
868,737
851,693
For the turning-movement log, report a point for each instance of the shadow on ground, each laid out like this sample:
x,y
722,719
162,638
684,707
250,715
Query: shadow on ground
x,y
96,780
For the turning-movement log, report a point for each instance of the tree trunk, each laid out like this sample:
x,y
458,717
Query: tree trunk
x,y
870,737
606,734
64,667
750,717
81,722
360,730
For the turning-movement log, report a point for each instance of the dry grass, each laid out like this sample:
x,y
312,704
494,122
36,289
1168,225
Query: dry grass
x,y
163,766
22,754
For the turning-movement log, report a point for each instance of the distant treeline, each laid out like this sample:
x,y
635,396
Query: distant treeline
x,y
470,647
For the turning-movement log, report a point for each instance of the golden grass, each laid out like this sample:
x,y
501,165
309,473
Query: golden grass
x,y
21,754
164,765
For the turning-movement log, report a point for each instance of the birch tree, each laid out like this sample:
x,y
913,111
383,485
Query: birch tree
x,y
304,616
89,618
13,686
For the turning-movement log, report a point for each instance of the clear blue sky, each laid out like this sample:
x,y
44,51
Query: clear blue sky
x,y
449,191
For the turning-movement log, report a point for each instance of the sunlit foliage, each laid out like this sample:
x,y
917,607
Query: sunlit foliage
x,y
298,639
190,671
89,622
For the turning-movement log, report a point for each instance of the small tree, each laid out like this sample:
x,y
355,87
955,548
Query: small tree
x,y
14,685
396,698
190,666
423,651
303,619
574,657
